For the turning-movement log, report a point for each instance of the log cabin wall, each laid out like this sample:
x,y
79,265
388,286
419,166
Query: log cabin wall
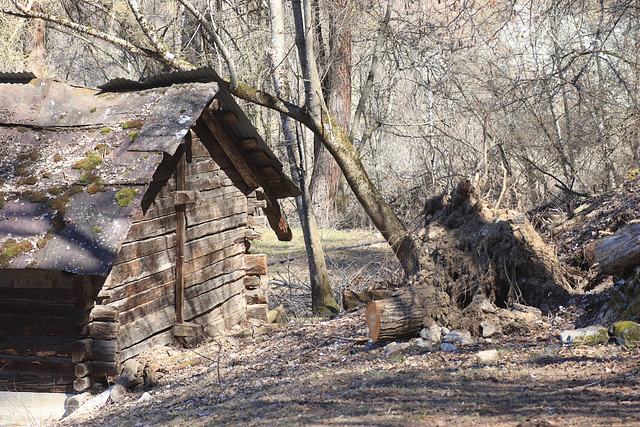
x,y
37,330
141,285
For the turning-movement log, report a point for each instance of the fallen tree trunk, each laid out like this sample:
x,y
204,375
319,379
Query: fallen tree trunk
x,y
619,251
392,318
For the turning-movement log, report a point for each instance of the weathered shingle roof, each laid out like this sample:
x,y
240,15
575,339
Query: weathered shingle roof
x,y
75,162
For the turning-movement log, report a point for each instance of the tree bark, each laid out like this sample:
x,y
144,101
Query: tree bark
x,y
322,298
619,251
392,318
325,181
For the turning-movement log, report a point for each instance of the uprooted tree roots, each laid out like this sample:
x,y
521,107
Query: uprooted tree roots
x,y
472,253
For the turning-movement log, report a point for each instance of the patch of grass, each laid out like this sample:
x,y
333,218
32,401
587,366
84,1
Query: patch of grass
x,y
133,124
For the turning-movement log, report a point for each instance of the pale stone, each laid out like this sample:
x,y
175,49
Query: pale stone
x,y
394,347
432,333
487,357
592,335
488,307
459,337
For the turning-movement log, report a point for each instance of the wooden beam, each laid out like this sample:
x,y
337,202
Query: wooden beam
x,y
181,229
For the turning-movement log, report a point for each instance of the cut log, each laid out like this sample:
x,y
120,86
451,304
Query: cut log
x,y
352,299
258,311
619,251
393,318
256,264
81,384
256,296
251,282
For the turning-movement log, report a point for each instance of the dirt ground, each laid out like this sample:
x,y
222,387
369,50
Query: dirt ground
x,y
325,372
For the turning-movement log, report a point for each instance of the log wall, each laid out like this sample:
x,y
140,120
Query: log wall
x,y
37,329
141,286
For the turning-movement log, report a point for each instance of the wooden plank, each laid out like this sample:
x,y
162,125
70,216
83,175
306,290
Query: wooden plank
x,y
48,295
145,297
146,284
35,345
181,225
257,221
209,300
35,279
205,212
95,350
105,350
62,365
142,267
99,312
144,327
143,248
255,264
149,307
36,382
228,144
28,308
226,270
35,325
163,338
101,330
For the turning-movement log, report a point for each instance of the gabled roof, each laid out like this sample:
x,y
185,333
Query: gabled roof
x,y
75,163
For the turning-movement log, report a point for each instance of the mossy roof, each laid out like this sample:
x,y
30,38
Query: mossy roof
x,y
67,153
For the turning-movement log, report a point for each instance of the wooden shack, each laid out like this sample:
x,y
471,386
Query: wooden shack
x,y
126,215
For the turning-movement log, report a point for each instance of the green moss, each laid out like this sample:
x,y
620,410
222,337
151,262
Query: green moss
x,y
22,169
182,110
125,196
38,197
57,158
89,163
632,174
12,248
95,187
62,116
30,180
102,149
21,129
133,135
75,190
97,230
88,178
56,191
105,131
133,124
93,110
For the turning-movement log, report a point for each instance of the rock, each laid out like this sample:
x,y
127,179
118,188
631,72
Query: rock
x,y
444,330
425,343
145,397
432,333
525,310
459,337
592,335
394,347
489,329
627,333
488,307
487,357
448,347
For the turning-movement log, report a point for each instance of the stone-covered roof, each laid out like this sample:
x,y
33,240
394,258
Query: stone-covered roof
x,y
75,163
